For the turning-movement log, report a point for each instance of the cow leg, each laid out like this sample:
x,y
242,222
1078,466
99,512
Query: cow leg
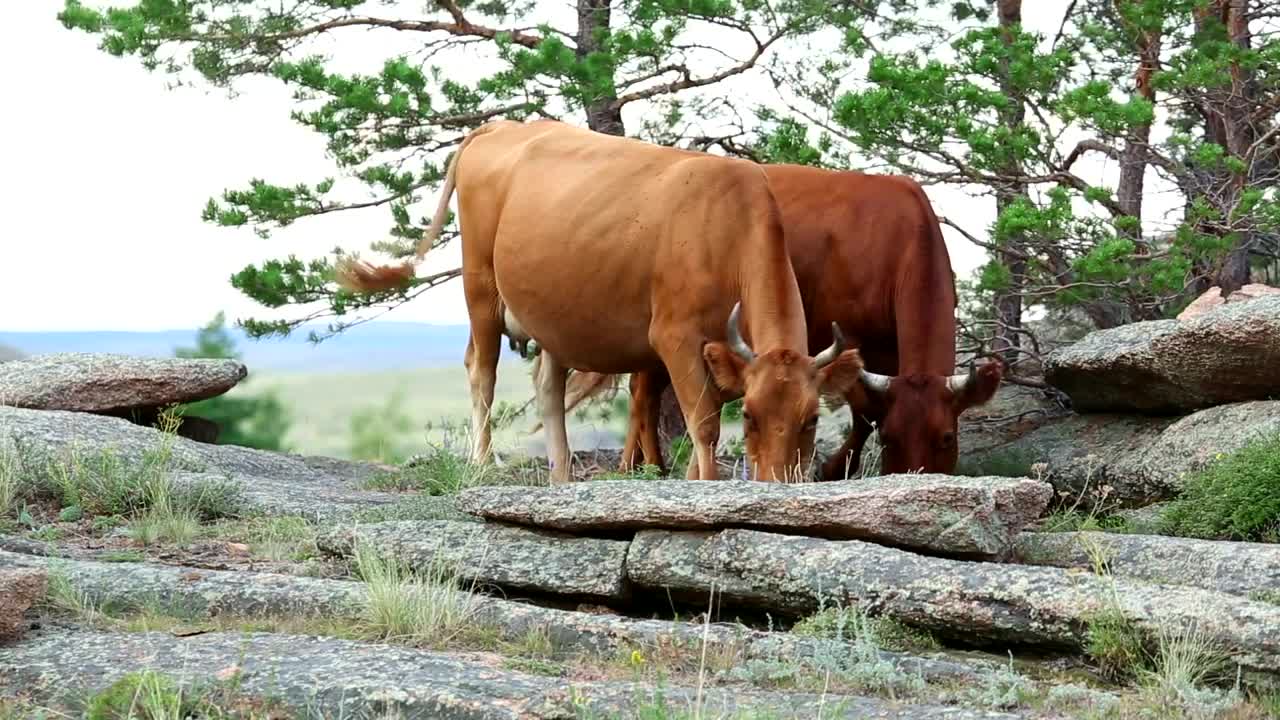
x,y
649,442
845,461
642,446
551,380
481,358
699,400
635,425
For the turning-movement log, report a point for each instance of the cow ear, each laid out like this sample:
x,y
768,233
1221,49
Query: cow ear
x,y
728,370
983,387
840,379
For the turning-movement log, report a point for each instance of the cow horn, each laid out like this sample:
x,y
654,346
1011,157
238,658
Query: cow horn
x,y
957,383
736,343
826,357
875,382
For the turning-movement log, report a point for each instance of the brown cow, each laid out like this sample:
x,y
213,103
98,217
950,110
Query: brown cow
x,y
617,256
868,254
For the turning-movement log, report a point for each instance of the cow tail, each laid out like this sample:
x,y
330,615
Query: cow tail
x,y
362,277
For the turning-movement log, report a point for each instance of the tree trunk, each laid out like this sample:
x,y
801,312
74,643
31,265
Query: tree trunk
x,y
1225,114
1009,301
603,114
1134,159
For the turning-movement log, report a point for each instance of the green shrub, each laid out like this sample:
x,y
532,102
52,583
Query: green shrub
x,y
1237,497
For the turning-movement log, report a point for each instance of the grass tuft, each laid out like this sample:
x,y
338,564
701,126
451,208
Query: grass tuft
x,y
423,607
1236,497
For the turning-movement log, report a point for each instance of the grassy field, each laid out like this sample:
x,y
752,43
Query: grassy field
x,y
410,407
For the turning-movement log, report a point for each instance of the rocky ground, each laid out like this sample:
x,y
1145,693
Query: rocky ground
x,y
306,587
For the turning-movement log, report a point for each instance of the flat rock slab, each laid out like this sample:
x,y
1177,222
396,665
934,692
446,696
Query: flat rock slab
x,y
954,515
201,594
1229,354
276,482
327,677
1008,603
191,592
508,557
20,588
1238,568
111,383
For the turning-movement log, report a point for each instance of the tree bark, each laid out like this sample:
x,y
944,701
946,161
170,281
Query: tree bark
x,y
1225,114
1009,301
603,114
1134,159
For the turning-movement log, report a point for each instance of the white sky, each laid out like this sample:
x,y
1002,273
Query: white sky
x,y
105,172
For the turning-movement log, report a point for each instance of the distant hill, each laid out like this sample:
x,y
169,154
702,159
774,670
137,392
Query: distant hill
x,y
374,346
9,353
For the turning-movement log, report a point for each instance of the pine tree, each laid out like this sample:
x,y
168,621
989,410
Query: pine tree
x,y
257,421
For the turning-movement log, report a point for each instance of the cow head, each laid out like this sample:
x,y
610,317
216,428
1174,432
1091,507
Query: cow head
x,y
921,412
780,391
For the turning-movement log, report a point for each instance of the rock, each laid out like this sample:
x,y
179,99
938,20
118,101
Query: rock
x,y
319,498
967,600
325,677
1084,455
1229,354
508,557
20,588
1207,301
110,383
1212,298
1194,441
954,515
1252,291
187,592
268,481
1145,520
1237,568
133,587
13,544
1127,460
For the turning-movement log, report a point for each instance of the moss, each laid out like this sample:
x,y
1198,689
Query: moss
x,y
1236,497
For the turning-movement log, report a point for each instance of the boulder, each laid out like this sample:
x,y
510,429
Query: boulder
x,y
1127,460
325,677
1084,455
109,383
1237,568
938,513
964,600
20,588
1213,297
1229,354
268,481
513,558
1194,441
